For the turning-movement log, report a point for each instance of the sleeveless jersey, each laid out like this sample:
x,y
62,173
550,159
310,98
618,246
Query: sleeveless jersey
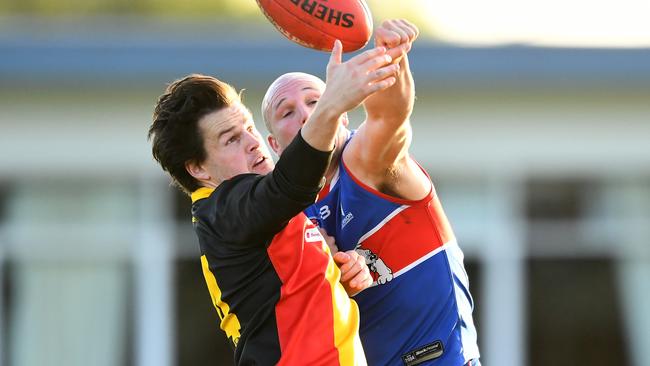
x,y
419,309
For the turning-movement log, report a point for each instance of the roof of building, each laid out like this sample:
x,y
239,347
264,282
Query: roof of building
x,y
110,54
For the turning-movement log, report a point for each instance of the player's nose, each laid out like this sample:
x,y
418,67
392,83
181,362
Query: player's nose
x,y
252,142
304,112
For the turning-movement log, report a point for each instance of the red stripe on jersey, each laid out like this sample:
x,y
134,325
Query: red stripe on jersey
x,y
419,230
307,325
323,192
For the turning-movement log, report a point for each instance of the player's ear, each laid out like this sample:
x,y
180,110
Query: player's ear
x,y
273,143
196,170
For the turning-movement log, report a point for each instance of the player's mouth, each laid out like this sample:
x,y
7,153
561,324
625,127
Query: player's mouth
x,y
259,161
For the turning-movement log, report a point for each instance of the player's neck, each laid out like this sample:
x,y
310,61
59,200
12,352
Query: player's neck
x,y
334,163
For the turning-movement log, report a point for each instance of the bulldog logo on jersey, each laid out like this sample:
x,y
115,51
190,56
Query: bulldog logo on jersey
x,y
381,274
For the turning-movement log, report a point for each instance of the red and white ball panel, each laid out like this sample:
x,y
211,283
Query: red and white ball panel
x,y
318,23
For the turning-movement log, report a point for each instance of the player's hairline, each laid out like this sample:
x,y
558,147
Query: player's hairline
x,y
272,89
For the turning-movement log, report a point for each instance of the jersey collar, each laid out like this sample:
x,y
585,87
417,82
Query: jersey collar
x,y
201,193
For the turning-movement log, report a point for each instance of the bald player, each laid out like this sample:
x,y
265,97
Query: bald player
x,y
380,202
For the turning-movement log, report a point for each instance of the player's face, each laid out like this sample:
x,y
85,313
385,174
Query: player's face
x,y
293,102
233,144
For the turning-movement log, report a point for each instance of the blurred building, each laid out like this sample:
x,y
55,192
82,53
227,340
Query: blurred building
x,y
541,157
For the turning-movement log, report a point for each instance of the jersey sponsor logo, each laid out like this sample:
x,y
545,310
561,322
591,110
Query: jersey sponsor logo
x,y
312,235
346,217
425,353
379,271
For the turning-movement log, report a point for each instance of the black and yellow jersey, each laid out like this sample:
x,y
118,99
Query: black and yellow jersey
x,y
269,272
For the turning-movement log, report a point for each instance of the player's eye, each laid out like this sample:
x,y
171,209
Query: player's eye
x,y
312,102
287,114
232,140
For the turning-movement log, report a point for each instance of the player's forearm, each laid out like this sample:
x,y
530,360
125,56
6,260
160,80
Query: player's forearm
x,y
384,146
320,129
300,169
393,106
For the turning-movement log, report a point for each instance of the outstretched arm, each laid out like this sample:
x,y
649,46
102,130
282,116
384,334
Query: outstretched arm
x,y
379,150
348,85
394,105
294,183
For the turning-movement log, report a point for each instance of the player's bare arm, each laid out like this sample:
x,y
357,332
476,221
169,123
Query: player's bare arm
x,y
378,154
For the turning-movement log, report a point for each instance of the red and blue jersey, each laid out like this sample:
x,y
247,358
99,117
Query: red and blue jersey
x,y
419,308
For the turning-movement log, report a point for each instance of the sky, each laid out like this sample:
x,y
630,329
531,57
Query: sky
x,y
564,23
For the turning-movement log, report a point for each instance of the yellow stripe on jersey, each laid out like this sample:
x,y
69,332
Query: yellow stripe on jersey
x,y
229,321
346,338
203,192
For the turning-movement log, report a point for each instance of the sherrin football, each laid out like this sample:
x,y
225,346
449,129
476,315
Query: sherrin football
x,y
318,23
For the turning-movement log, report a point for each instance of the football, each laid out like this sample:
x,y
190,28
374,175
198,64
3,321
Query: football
x,y
318,23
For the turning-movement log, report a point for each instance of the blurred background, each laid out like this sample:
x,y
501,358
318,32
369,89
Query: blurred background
x,y
532,117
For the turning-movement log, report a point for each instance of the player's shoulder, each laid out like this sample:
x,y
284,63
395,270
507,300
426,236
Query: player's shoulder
x,y
229,190
235,186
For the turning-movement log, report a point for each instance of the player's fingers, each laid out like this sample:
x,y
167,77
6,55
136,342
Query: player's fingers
x,y
362,281
399,30
341,258
356,265
382,84
387,38
350,269
399,51
397,27
375,53
337,53
375,63
408,29
383,73
357,282
368,281
361,277
411,29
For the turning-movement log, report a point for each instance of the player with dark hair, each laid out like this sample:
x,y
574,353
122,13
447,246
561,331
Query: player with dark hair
x,y
381,203
269,271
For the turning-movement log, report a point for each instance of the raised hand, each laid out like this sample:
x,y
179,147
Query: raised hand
x,y
396,35
395,104
349,83
382,141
